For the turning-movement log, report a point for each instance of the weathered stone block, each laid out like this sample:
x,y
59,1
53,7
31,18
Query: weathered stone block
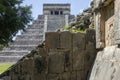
x,y
6,78
78,60
66,76
41,64
27,66
89,58
40,77
52,40
66,40
116,55
90,46
56,62
81,75
109,52
73,75
105,70
90,39
53,77
42,52
67,61
78,41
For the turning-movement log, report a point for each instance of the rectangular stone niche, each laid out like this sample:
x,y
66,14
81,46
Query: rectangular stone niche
x,y
105,25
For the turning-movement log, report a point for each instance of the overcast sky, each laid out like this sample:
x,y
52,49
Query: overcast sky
x,y
76,5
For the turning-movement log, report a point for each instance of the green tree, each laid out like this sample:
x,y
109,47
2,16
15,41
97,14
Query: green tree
x,y
13,17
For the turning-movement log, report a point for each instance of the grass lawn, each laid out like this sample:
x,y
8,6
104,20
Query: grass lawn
x,y
5,66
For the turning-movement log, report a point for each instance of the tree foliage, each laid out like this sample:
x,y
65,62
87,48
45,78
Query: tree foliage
x,y
13,17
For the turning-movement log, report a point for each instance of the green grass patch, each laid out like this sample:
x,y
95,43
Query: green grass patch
x,y
5,66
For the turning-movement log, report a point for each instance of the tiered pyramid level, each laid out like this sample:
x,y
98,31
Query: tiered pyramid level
x,y
24,43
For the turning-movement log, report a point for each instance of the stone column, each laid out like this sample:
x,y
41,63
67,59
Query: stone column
x,y
97,27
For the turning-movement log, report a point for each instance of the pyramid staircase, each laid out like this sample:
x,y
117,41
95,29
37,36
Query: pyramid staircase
x,y
24,43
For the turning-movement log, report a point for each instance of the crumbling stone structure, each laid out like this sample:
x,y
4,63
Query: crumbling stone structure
x,y
107,23
63,56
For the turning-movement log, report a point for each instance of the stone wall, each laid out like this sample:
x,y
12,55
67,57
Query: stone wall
x,y
63,56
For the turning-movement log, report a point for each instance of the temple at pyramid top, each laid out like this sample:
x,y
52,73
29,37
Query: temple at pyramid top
x,y
56,16
56,9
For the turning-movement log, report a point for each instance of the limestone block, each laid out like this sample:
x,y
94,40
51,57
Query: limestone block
x,y
67,61
6,78
15,77
99,56
89,58
78,60
78,41
109,52
42,52
27,66
41,64
90,46
90,39
81,75
39,76
53,77
52,40
27,77
105,71
56,62
66,40
66,76
116,56
73,75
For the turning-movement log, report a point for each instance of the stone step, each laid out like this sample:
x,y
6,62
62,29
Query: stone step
x,y
32,30
40,36
36,26
21,47
14,53
27,40
20,42
38,23
10,58
33,33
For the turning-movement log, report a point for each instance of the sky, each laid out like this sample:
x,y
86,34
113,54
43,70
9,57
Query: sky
x,y
37,5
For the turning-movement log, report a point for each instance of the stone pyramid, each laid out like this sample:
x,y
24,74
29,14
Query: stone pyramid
x,y
24,43
54,17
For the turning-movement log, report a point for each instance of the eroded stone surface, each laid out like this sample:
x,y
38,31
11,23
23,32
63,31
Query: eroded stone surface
x,y
106,65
